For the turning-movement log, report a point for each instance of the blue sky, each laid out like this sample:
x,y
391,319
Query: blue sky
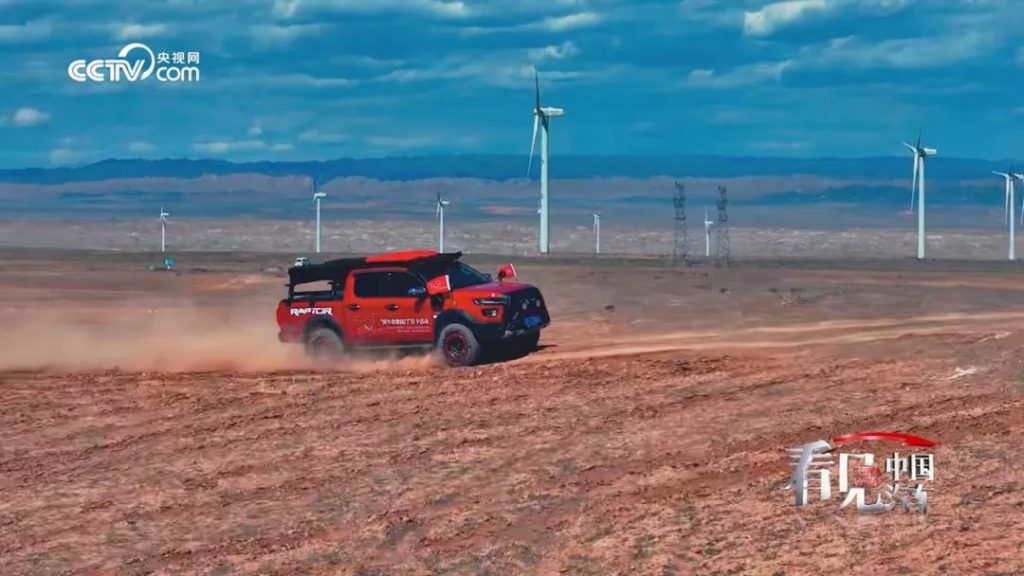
x,y
317,79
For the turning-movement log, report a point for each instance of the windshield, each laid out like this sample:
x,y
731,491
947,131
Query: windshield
x,y
460,275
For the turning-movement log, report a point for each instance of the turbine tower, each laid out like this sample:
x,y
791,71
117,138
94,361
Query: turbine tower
x,y
317,196
917,185
163,229
541,118
441,205
707,233
1010,207
597,233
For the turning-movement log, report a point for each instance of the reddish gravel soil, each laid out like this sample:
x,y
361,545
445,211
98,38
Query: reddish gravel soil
x,y
150,423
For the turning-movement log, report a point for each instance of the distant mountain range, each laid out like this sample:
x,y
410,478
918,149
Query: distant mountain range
x,y
506,167
495,187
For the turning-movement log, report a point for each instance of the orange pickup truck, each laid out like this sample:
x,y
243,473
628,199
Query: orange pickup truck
x,y
410,299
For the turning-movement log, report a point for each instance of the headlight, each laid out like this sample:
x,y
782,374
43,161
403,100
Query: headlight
x,y
492,301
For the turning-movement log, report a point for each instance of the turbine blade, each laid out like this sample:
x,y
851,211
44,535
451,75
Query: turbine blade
x,y
919,131
533,142
536,85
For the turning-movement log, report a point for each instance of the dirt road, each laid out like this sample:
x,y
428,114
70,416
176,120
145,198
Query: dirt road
x,y
648,436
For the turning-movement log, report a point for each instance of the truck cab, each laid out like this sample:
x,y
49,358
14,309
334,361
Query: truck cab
x,y
410,299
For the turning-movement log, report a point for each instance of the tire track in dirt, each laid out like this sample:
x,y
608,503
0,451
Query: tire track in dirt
x,y
796,335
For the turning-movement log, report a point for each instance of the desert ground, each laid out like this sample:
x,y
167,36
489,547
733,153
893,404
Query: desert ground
x,y
150,422
622,234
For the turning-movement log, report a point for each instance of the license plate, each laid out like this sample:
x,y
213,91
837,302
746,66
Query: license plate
x,y
532,321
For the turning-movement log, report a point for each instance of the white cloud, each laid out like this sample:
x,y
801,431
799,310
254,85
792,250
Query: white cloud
x,y
140,147
62,156
741,76
134,31
365,61
500,71
318,137
311,81
32,30
571,21
767,20
439,8
777,15
226,146
908,53
223,146
29,117
256,128
295,80
551,24
272,35
561,51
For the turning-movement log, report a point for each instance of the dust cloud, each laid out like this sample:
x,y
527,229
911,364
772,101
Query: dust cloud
x,y
173,339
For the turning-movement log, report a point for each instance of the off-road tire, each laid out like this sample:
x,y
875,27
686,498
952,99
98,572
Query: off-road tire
x,y
457,346
323,343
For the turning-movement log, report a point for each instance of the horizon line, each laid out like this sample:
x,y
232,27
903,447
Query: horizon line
x,y
1011,161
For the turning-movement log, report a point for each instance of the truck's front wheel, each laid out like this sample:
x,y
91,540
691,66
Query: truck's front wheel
x,y
458,346
324,344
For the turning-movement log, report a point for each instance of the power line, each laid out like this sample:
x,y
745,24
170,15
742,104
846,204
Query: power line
x,y
722,248
679,229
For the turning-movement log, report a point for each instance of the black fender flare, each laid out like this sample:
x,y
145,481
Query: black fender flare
x,y
322,322
453,317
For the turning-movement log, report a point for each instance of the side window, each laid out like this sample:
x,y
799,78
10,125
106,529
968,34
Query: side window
x,y
400,284
458,276
371,284
385,284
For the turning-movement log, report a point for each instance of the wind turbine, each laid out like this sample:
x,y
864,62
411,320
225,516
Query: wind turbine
x,y
541,117
917,186
317,196
707,233
597,233
1010,207
441,205
163,229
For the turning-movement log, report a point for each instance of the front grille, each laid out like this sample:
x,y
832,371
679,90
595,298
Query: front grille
x,y
522,304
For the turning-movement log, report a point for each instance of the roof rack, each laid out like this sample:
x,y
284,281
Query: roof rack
x,y
338,269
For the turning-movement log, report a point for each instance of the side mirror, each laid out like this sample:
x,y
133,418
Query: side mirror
x,y
506,271
417,291
439,286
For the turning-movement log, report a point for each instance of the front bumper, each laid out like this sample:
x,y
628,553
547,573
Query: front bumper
x,y
507,333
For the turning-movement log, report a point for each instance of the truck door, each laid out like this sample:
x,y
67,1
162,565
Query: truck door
x,y
408,314
384,311
363,307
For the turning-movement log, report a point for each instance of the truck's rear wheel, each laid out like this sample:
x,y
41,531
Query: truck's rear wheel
x,y
458,346
324,344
